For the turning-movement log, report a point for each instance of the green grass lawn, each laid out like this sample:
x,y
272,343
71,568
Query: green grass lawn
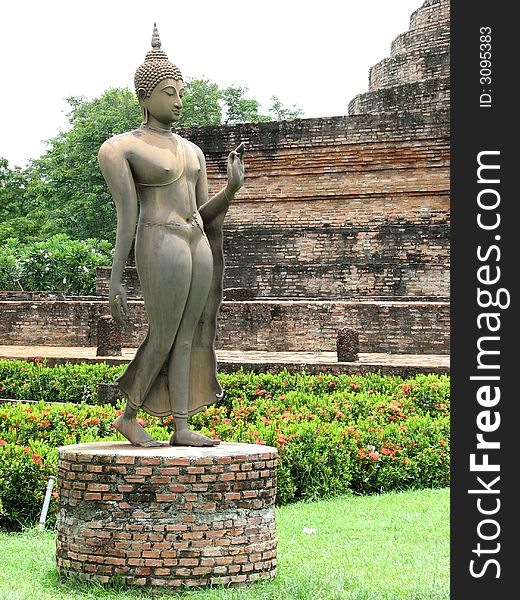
x,y
394,546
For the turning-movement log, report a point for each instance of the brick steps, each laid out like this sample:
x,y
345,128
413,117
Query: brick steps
x,y
432,11
417,97
419,54
422,39
275,325
416,74
409,67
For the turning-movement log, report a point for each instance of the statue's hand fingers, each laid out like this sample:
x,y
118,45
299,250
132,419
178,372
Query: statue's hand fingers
x,y
117,317
231,159
124,307
118,310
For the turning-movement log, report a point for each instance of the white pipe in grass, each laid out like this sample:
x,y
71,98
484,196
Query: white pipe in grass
x,y
46,502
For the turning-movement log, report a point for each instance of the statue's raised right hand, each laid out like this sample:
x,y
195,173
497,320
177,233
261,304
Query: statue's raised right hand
x,y
235,169
118,303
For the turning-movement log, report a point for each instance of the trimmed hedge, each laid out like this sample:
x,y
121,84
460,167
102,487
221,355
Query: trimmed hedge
x,y
335,434
24,380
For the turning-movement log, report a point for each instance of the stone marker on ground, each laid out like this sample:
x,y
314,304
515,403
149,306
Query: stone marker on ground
x,y
347,345
108,337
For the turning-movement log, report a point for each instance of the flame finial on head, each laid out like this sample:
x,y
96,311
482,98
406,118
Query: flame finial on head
x,y
156,40
155,68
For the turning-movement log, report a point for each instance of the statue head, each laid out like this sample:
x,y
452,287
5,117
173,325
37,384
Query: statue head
x,y
155,70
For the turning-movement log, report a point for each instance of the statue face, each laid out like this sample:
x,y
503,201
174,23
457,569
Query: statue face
x,y
165,102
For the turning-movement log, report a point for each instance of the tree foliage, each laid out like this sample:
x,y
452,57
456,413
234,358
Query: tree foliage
x,y
55,264
201,103
205,103
21,214
280,112
240,109
68,178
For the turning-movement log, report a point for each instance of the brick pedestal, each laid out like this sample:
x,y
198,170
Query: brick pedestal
x,y
167,516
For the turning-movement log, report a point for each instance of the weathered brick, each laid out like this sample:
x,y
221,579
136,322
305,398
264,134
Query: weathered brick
x,y
168,471
143,471
166,497
195,470
92,496
150,460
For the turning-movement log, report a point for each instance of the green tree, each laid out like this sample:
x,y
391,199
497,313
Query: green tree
x,y
239,109
205,103
21,215
201,103
57,263
67,174
280,112
12,190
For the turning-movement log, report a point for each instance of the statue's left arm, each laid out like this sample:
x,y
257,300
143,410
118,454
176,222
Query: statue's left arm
x,y
218,203
213,212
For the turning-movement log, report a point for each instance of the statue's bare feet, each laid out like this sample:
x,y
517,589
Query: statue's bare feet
x,y
186,437
134,433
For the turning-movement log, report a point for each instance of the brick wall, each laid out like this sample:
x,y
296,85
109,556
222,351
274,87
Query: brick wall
x,y
341,208
395,327
346,207
50,322
398,327
351,206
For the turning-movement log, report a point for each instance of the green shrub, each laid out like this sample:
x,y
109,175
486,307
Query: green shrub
x,y
30,435
78,382
351,439
24,472
24,380
334,435
56,264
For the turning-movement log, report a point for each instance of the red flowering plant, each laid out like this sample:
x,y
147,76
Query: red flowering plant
x,y
366,438
334,434
55,424
396,456
29,438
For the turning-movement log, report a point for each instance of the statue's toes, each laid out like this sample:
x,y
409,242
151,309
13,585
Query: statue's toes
x,y
149,444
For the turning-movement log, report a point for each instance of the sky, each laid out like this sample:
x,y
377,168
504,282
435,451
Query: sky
x,y
315,55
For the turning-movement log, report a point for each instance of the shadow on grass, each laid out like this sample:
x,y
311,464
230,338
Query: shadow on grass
x,y
282,588
76,587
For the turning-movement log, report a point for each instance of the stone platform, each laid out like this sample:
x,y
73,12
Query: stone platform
x,y
167,517
269,325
